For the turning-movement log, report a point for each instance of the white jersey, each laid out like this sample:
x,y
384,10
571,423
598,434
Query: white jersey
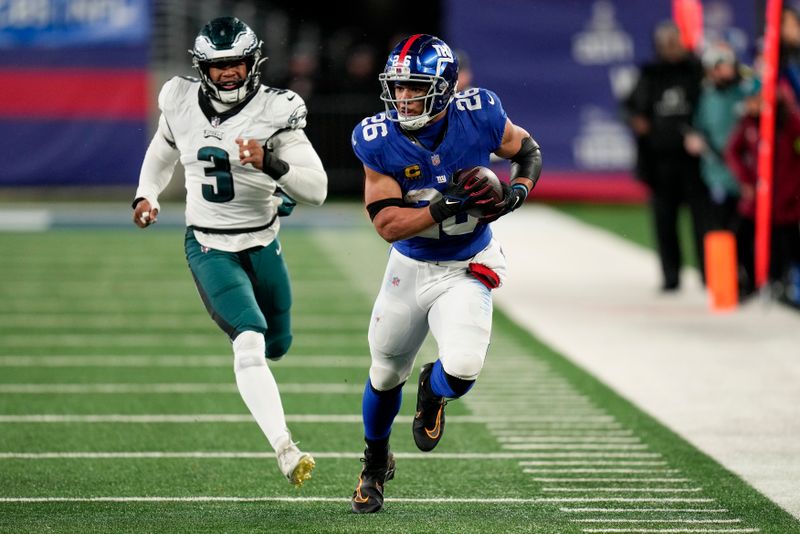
x,y
220,192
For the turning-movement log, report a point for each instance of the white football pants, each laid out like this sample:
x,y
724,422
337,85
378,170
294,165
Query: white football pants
x,y
443,297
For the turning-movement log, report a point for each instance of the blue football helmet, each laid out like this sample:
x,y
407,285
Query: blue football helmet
x,y
420,59
227,40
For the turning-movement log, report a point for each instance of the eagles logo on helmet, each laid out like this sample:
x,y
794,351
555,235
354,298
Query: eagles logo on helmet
x,y
420,59
227,40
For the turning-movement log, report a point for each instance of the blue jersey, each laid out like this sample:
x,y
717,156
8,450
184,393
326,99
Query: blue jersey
x,y
475,124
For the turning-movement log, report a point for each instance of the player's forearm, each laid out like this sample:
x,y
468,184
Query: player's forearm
x,y
308,185
298,169
396,223
159,162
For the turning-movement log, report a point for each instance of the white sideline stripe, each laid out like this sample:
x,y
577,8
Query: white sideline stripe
x,y
174,361
626,490
670,530
220,418
111,388
680,520
643,510
132,455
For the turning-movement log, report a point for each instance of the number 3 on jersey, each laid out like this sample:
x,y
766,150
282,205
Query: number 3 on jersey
x,y
221,170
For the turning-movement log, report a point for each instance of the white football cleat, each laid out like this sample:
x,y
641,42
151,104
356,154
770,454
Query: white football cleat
x,y
294,464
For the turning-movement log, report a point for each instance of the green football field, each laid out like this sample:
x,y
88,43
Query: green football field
x,y
119,413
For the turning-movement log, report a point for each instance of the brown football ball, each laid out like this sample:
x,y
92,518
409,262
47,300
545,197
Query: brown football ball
x,y
496,193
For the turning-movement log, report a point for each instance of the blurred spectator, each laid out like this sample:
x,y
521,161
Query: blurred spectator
x,y
659,111
718,111
302,71
742,156
464,70
790,49
361,70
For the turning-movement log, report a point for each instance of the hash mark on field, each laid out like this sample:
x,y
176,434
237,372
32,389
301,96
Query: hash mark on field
x,y
509,384
680,520
670,530
643,510
624,490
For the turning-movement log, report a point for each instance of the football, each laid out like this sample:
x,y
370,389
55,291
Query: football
x,y
496,193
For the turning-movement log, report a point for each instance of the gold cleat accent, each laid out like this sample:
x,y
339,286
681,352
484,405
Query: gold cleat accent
x,y
302,471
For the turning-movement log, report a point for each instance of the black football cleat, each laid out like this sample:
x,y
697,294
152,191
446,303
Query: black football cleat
x,y
368,496
428,425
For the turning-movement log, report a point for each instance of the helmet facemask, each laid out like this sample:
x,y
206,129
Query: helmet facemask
x,y
438,92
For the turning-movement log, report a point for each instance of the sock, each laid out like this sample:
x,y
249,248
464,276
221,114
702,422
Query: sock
x,y
258,388
444,385
378,409
378,448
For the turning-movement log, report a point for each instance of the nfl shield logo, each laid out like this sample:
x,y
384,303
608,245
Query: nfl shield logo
x,y
435,159
215,122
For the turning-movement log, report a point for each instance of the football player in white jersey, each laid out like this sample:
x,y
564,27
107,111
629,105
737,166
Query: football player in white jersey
x,y
246,160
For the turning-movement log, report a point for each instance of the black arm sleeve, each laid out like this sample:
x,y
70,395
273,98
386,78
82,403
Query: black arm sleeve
x,y
273,166
527,163
374,208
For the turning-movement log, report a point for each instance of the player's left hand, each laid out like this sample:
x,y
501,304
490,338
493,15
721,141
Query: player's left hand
x,y
250,151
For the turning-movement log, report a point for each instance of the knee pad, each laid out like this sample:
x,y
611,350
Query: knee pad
x,y
248,350
277,347
466,366
385,378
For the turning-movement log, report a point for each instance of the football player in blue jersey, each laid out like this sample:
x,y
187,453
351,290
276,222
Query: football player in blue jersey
x,y
443,261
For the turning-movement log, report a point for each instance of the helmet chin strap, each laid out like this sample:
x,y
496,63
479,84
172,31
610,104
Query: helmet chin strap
x,y
232,96
415,123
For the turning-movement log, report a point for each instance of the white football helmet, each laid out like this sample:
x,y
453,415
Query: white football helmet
x,y
227,40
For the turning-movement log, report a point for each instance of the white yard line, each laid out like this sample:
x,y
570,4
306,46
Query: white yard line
x,y
606,479
224,418
136,455
168,388
359,362
595,462
574,446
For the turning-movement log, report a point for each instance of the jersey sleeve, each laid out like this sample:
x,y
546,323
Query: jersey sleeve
x,y
368,144
288,109
494,118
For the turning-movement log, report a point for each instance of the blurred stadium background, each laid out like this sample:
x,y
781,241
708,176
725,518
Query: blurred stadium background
x,y
108,394
80,79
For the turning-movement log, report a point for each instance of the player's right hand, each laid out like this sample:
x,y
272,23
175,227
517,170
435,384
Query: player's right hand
x,y
473,190
460,196
144,214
